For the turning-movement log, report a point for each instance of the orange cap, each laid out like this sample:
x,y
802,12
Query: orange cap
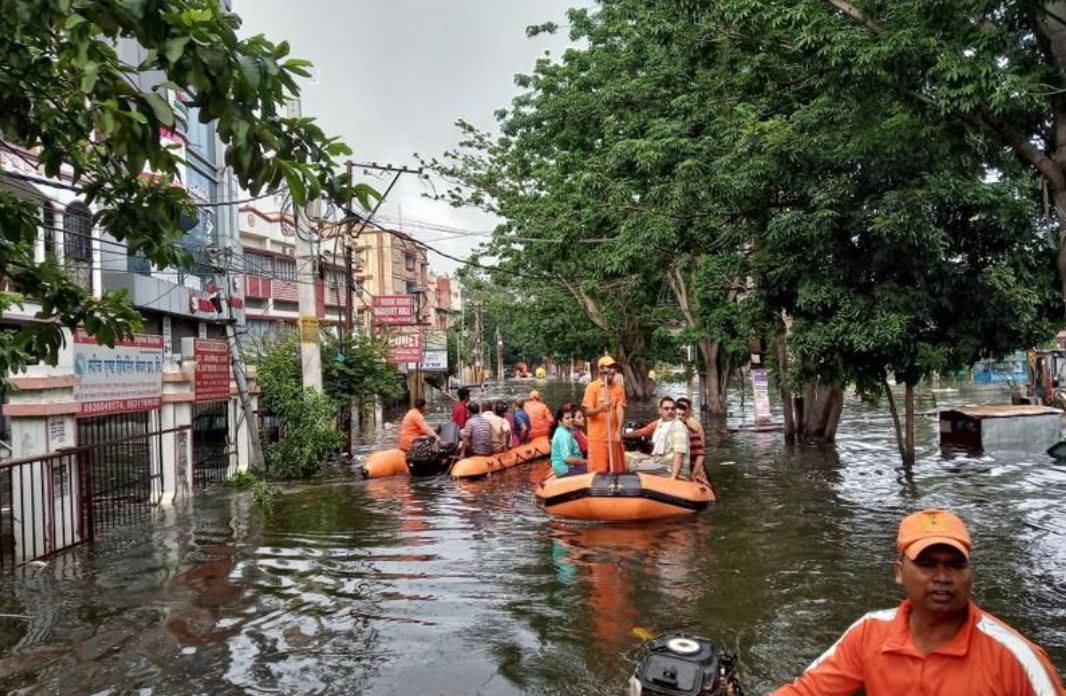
x,y
605,361
919,531
534,395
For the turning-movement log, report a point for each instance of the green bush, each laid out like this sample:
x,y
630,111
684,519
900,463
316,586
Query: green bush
x,y
308,432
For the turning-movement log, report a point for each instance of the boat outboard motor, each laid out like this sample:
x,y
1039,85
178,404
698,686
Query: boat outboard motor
x,y
639,444
427,457
680,665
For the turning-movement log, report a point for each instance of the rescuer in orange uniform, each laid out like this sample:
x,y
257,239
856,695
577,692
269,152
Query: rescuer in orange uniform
x,y
540,416
414,426
938,642
605,404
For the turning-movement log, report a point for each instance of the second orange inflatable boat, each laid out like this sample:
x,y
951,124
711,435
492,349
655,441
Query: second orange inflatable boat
x,y
483,465
622,497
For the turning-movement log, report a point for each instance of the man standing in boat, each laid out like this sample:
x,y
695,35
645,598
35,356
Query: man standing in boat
x,y
938,641
605,404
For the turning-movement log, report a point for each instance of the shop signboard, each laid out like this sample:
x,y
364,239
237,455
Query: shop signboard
x,y
405,343
435,354
127,377
393,309
212,370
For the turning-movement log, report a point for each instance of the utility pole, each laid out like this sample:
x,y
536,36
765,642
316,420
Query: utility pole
x,y
255,460
479,366
499,355
349,272
307,278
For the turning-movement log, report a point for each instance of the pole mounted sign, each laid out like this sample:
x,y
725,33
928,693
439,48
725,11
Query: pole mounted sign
x,y
393,309
127,377
212,370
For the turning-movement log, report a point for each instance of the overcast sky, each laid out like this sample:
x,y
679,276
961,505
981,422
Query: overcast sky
x,y
392,77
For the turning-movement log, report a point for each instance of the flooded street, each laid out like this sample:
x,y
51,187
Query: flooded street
x,y
399,586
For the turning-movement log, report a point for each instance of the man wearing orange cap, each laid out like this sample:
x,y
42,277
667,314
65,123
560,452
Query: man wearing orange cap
x,y
605,404
938,642
540,416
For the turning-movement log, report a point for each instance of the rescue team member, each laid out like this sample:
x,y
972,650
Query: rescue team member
x,y
459,411
937,642
540,416
414,426
605,400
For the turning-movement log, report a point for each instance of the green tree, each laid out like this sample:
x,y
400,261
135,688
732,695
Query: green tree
x,y
68,103
306,416
356,367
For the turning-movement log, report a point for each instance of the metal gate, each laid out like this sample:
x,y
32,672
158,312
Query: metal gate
x,y
211,444
122,453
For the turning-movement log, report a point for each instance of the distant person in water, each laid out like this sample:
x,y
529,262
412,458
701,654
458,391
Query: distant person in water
x,y
938,641
414,426
565,454
459,411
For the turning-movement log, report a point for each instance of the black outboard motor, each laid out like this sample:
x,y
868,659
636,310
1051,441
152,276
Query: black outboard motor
x,y
428,458
680,665
639,444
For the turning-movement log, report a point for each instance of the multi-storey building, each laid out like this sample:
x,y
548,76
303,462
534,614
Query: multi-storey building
x,y
393,265
271,282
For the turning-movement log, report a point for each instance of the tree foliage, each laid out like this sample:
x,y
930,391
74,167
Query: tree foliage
x,y
70,104
833,175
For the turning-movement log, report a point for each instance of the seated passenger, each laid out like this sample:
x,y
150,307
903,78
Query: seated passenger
x,y
521,421
566,456
579,429
501,429
697,443
670,443
477,434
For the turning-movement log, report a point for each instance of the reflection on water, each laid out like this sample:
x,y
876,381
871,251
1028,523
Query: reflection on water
x,y
433,586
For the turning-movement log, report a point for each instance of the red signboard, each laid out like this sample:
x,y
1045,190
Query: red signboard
x,y
405,343
393,309
212,369
127,377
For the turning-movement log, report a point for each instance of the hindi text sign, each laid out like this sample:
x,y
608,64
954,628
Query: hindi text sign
x,y
212,371
393,309
128,377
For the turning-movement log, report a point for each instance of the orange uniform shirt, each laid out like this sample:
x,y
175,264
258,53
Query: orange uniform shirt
x,y
412,427
986,658
540,418
594,398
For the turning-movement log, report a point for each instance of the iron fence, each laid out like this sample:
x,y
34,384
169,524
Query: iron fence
x,y
211,445
56,501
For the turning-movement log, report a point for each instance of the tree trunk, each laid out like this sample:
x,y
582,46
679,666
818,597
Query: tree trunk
x,y
897,427
787,404
908,439
635,373
716,379
822,407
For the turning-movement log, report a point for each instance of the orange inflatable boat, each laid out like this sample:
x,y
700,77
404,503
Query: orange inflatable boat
x,y
391,462
483,465
622,497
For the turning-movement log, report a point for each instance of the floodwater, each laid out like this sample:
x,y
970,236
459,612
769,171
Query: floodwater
x,y
437,587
